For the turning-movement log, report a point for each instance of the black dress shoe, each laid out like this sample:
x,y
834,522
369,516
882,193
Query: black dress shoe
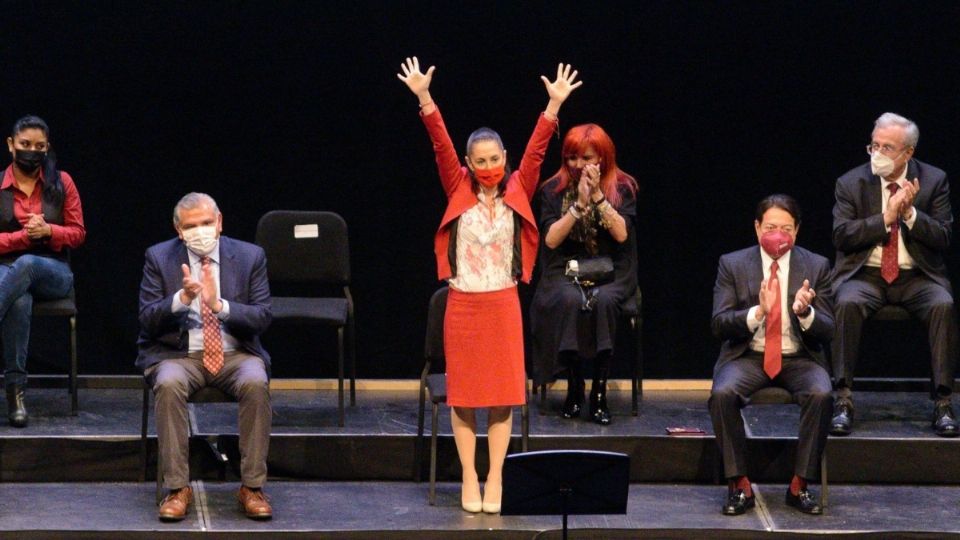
x,y
599,412
842,422
944,421
16,409
738,503
574,402
805,502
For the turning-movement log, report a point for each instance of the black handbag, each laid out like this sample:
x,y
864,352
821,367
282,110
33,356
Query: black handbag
x,y
586,274
590,271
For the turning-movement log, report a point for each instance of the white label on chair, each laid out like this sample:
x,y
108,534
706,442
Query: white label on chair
x,y
306,231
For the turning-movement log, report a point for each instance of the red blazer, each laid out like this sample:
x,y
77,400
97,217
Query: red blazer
x,y
460,196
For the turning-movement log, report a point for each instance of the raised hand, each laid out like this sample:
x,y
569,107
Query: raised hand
x,y
591,175
191,287
417,81
803,299
894,207
560,88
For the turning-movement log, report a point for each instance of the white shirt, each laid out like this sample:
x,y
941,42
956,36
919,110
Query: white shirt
x,y
194,319
904,260
789,341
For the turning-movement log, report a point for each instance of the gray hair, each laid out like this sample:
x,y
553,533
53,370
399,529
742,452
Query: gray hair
x,y
911,131
191,201
483,134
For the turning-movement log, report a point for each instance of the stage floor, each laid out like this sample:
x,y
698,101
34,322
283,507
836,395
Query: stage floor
x,y
75,476
400,510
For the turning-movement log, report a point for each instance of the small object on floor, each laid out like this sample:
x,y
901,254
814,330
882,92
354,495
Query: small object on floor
x,y
842,422
254,503
738,503
685,431
804,501
16,409
176,504
945,421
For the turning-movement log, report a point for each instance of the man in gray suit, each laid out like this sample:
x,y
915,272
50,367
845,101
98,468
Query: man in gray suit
x,y
204,301
891,227
775,328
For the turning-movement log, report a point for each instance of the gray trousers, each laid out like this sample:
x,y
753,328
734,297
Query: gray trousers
x,y
242,376
736,380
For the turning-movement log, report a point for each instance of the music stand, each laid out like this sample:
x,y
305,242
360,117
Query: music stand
x,y
565,482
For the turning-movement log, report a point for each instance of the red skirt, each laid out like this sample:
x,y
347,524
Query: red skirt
x,y
483,343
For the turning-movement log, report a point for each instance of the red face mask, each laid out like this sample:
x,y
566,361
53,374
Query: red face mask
x,y
489,178
776,243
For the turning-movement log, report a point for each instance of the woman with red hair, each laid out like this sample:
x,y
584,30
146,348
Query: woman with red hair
x,y
486,242
587,214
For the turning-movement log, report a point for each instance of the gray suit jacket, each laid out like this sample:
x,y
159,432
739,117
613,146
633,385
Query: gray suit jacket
x,y
243,283
858,221
738,289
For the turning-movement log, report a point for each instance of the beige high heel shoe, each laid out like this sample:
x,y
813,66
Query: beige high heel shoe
x,y
475,505
492,495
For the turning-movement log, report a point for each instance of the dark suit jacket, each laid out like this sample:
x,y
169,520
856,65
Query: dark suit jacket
x,y
243,283
738,289
858,222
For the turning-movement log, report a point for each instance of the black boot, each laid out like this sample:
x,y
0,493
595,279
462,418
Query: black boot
x,y
574,402
598,392
16,410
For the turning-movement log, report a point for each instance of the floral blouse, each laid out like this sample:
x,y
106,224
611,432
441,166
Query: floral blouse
x,y
485,248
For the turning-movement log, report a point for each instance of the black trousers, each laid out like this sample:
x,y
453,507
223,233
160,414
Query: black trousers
x,y
736,380
866,292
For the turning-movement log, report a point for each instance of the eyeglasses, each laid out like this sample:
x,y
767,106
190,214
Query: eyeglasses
x,y
885,149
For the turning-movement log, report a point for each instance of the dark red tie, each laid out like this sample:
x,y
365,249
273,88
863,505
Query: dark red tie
x,y
889,259
212,340
773,344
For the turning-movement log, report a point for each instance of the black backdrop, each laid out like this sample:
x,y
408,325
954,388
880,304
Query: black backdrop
x,y
286,104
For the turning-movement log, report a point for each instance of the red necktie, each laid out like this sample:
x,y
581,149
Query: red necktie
x,y
889,259
773,345
212,341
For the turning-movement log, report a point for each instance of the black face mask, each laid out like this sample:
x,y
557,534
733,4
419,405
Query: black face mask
x,y
28,161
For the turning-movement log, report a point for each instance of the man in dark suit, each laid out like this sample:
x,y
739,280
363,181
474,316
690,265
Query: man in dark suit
x,y
204,300
891,227
774,328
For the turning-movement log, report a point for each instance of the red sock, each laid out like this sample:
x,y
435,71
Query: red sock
x,y
741,482
797,484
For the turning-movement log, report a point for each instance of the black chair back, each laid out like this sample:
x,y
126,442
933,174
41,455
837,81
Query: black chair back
x,y
433,347
305,247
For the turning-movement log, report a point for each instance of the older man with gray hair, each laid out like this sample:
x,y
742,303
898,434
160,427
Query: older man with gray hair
x,y
891,227
204,301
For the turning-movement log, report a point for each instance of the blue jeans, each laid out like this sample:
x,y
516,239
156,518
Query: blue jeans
x,y
20,281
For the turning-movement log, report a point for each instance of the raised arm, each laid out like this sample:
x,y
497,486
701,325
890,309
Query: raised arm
x,y
448,163
558,91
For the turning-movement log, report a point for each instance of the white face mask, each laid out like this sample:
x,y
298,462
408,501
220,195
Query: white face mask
x,y
881,165
200,240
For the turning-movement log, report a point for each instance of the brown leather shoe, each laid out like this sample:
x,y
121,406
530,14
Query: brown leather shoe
x,y
175,505
254,503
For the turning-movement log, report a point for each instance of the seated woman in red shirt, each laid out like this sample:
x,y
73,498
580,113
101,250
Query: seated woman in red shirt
x,y
487,240
40,219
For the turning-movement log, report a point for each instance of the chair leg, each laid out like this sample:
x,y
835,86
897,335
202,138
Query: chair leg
x,y
352,349
432,497
159,480
637,325
340,376
824,485
418,444
524,428
143,432
542,410
74,406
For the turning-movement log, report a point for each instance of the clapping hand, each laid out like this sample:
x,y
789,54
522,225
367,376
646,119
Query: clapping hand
x,y
768,297
909,190
36,227
208,292
191,287
803,299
